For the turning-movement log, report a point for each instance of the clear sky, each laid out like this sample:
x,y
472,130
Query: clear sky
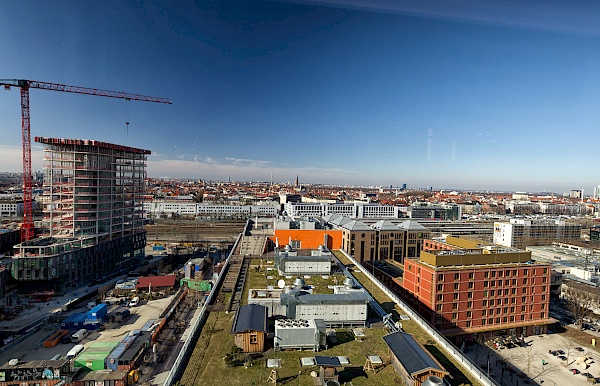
x,y
449,94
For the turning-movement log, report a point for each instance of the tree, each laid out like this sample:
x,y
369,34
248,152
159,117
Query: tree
x,y
579,301
533,363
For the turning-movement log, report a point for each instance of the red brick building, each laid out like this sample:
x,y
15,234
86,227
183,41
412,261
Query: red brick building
x,y
475,291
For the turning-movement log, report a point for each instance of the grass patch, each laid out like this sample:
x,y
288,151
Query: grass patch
x,y
259,279
208,359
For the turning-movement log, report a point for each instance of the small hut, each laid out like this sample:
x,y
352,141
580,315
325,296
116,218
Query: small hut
x,y
250,328
411,360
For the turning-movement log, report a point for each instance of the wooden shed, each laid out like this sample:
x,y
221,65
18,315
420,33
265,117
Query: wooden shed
x,y
250,328
411,360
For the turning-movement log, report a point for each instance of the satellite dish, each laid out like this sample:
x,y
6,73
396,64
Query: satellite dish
x,y
281,283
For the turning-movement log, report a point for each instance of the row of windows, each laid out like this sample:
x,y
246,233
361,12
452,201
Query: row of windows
x,y
493,274
498,320
491,293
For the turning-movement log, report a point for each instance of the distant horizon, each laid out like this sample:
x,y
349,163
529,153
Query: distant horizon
x,y
485,95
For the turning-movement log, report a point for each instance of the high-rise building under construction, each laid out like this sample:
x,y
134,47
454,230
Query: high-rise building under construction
x,y
93,215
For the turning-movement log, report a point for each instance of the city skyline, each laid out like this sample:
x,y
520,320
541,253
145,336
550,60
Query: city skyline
x,y
499,96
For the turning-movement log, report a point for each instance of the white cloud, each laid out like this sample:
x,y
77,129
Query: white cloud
x,y
240,169
11,158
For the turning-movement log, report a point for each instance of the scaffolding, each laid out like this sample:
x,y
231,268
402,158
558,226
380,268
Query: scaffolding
x,y
93,194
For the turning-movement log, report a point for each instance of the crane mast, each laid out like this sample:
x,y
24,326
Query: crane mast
x,y
27,229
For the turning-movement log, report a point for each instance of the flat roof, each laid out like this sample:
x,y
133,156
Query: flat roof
x,y
90,143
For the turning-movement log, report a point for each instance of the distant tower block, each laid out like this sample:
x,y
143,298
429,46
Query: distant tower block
x,y
297,184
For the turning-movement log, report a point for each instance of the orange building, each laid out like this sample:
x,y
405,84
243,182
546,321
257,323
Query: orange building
x,y
474,291
308,238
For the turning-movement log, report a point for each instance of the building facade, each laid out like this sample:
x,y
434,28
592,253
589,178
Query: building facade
x,y
11,206
94,218
475,291
427,210
382,240
521,233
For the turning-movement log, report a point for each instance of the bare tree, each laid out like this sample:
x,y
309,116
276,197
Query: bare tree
x,y
534,365
580,302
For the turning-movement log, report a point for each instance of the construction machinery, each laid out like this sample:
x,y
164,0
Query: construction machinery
x,y
27,229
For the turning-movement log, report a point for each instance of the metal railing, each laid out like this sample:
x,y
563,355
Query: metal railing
x,y
190,342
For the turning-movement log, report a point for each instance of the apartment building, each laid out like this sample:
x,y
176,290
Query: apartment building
x,y
383,240
94,217
471,290
156,209
11,206
352,210
428,210
521,233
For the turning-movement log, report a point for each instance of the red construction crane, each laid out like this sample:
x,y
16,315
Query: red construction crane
x,y
27,230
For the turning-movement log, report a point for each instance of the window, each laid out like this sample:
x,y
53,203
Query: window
x,y
440,287
456,286
486,274
468,323
439,298
469,304
456,276
455,296
471,285
441,277
454,316
485,303
470,295
469,315
471,276
483,312
485,284
253,339
522,308
483,322
455,306
439,307
493,273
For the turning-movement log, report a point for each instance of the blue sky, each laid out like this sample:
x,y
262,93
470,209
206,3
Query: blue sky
x,y
449,94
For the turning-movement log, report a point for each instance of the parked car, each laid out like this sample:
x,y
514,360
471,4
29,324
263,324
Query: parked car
x,y
575,371
563,358
580,349
560,352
